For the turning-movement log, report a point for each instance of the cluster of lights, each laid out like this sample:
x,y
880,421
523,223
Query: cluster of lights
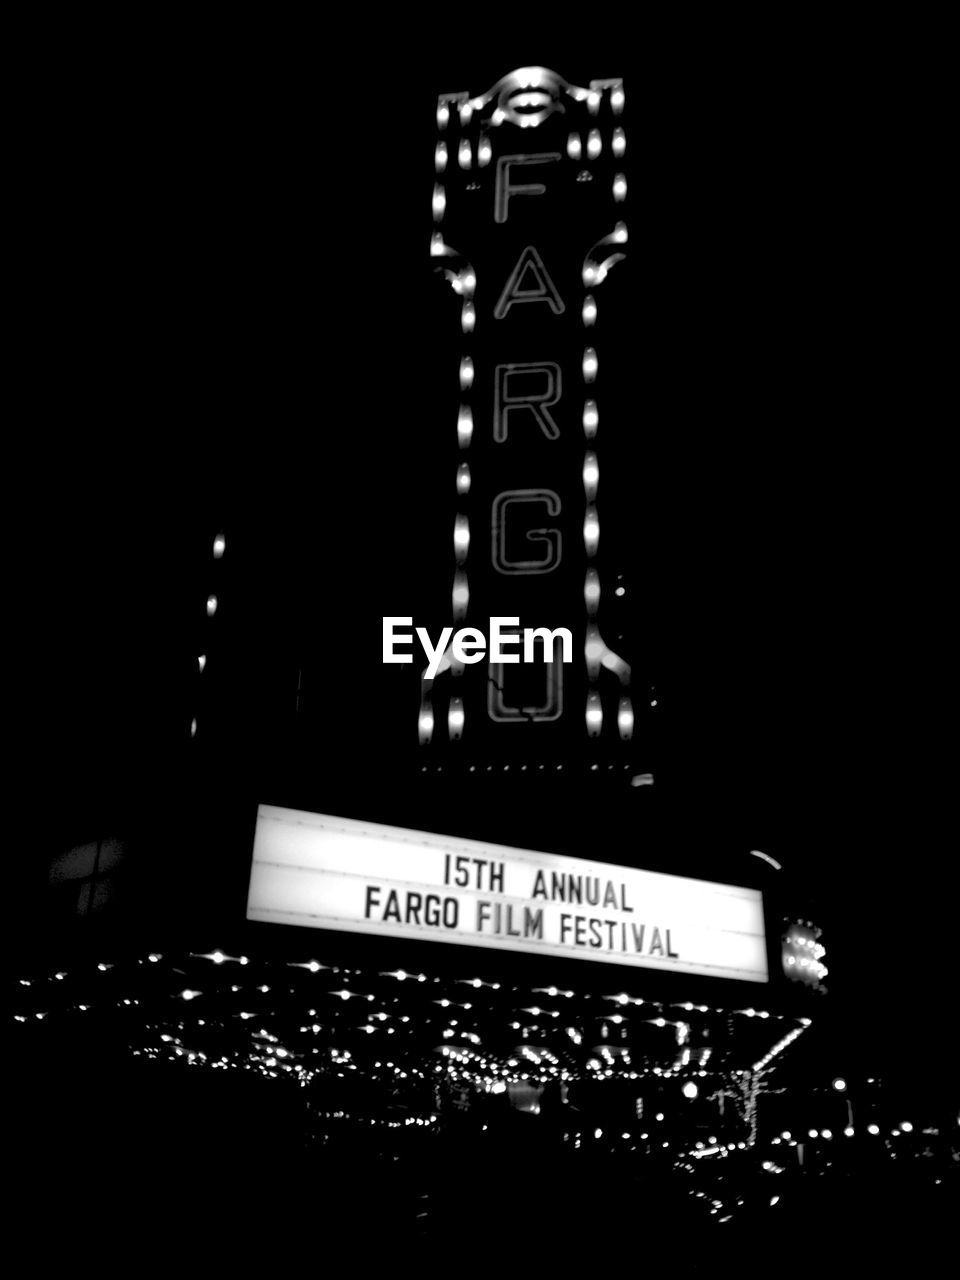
x,y
460,1057
265,1053
779,1047
803,955
213,603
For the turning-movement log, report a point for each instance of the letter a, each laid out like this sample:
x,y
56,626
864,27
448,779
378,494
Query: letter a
x,y
515,290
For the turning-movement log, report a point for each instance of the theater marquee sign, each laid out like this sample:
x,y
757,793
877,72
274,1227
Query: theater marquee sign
x,y
529,223
334,873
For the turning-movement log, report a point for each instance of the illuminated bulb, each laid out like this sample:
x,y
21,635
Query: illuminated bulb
x,y
211,606
813,1134
219,546
625,719
589,365
591,531
840,1084
439,202
594,717
484,152
437,247
690,1090
593,102
589,313
906,1126
848,1131
468,317
593,144
466,113
591,476
463,478
464,426
616,99
619,188
460,595
466,373
619,143
574,149
591,419
455,720
443,115
828,1134
620,233
598,1133
464,154
873,1128
202,661
591,591
468,283
440,157
425,724
193,728
461,538
218,957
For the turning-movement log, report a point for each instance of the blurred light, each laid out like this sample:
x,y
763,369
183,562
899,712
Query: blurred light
x,y
591,591
591,475
591,530
455,719
461,538
625,719
594,715
873,1128
690,1090
211,606
464,426
219,546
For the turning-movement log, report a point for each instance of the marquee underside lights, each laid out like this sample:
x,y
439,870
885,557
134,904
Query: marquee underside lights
x,y
334,873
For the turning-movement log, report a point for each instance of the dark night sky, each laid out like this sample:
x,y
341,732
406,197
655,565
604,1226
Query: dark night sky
x,y
206,256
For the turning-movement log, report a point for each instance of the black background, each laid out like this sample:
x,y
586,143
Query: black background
x,y
220,257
